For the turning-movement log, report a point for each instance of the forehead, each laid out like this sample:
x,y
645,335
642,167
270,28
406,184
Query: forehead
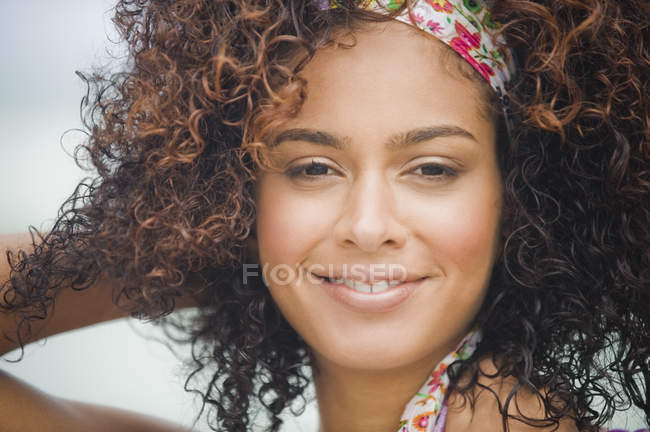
x,y
392,74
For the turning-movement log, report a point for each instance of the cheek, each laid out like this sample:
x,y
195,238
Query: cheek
x,y
471,226
286,223
461,231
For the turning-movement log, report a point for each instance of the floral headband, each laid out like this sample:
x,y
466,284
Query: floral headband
x,y
464,25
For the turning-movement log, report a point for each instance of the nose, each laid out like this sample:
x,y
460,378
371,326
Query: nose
x,y
370,218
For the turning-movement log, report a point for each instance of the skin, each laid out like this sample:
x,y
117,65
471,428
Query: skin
x,y
378,205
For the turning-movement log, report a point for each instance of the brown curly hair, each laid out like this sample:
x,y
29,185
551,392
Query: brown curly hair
x,y
176,139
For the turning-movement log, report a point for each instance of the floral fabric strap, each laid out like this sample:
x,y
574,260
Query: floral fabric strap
x,y
464,25
441,422
426,411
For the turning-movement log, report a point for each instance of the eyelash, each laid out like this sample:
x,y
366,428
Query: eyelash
x,y
297,171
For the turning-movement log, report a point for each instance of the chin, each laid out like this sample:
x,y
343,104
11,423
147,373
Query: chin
x,y
365,351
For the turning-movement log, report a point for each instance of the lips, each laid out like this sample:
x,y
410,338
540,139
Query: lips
x,y
358,301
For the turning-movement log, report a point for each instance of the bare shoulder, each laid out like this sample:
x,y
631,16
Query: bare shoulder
x,y
24,408
486,415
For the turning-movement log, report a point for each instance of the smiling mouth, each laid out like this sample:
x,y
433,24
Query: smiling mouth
x,y
379,297
368,288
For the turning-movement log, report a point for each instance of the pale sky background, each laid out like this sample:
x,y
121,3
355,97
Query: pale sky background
x,y
42,43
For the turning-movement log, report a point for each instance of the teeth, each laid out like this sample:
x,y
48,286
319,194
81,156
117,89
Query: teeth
x,y
359,286
374,288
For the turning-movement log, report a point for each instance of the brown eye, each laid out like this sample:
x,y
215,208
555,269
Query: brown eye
x,y
435,172
309,171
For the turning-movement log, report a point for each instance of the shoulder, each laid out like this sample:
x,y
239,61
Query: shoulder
x,y
23,407
486,416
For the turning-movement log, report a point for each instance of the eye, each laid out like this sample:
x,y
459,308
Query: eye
x,y
314,170
435,172
309,171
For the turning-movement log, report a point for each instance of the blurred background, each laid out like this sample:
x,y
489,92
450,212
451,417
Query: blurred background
x,y
42,44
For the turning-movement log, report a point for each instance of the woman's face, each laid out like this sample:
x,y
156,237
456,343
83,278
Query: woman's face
x,y
414,185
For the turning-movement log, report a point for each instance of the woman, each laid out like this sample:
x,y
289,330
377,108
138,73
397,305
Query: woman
x,y
267,161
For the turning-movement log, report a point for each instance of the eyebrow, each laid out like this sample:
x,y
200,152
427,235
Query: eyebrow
x,y
395,142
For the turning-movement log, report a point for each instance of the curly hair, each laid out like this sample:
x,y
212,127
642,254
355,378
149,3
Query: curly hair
x,y
176,139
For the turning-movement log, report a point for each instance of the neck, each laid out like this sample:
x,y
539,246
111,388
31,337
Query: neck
x,y
353,400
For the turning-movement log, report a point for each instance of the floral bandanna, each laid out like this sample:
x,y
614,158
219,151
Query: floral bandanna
x,y
464,25
422,411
